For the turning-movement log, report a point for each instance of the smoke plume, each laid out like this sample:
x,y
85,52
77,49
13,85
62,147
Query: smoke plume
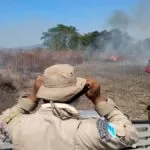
x,y
135,24
136,29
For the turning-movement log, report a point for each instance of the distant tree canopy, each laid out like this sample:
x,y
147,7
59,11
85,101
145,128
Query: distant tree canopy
x,y
64,37
61,37
67,37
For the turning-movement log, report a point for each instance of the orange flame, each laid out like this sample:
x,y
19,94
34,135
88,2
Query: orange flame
x,y
114,58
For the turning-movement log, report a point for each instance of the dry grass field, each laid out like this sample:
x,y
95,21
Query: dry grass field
x,y
127,84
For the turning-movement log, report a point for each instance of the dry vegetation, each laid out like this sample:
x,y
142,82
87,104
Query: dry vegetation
x,y
128,84
19,69
8,92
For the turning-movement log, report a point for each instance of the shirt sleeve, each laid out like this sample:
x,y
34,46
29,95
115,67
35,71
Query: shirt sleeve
x,y
125,130
24,106
11,117
92,133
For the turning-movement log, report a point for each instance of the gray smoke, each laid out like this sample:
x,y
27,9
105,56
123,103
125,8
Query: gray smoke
x,y
137,26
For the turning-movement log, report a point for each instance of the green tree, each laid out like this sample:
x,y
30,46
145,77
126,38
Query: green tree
x,y
61,37
90,39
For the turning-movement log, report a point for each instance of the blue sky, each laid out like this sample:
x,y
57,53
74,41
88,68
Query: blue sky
x,y
23,21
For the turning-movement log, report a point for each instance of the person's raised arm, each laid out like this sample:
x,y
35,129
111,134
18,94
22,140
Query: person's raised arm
x,y
108,109
25,104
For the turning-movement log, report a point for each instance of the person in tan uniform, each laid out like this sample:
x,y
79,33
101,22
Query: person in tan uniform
x,y
56,125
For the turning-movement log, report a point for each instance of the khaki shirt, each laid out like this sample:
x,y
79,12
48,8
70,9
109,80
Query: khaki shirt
x,y
58,127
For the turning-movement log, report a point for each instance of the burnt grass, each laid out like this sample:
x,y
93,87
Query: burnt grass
x,y
128,85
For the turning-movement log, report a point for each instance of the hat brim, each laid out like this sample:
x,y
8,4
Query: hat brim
x,y
61,94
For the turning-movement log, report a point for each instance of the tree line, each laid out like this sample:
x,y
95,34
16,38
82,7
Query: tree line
x,y
64,37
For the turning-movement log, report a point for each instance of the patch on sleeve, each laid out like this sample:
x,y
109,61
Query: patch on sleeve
x,y
105,129
111,130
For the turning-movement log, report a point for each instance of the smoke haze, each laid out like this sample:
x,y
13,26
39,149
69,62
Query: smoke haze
x,y
136,25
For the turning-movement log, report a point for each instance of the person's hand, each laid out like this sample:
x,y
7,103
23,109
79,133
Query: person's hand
x,y
37,84
94,91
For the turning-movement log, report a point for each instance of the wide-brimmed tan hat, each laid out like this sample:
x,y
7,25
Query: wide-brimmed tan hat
x,y
60,83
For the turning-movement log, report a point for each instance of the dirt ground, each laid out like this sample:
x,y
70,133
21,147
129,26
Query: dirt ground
x,y
127,84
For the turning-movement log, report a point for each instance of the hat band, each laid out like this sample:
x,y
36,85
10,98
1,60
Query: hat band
x,y
58,84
